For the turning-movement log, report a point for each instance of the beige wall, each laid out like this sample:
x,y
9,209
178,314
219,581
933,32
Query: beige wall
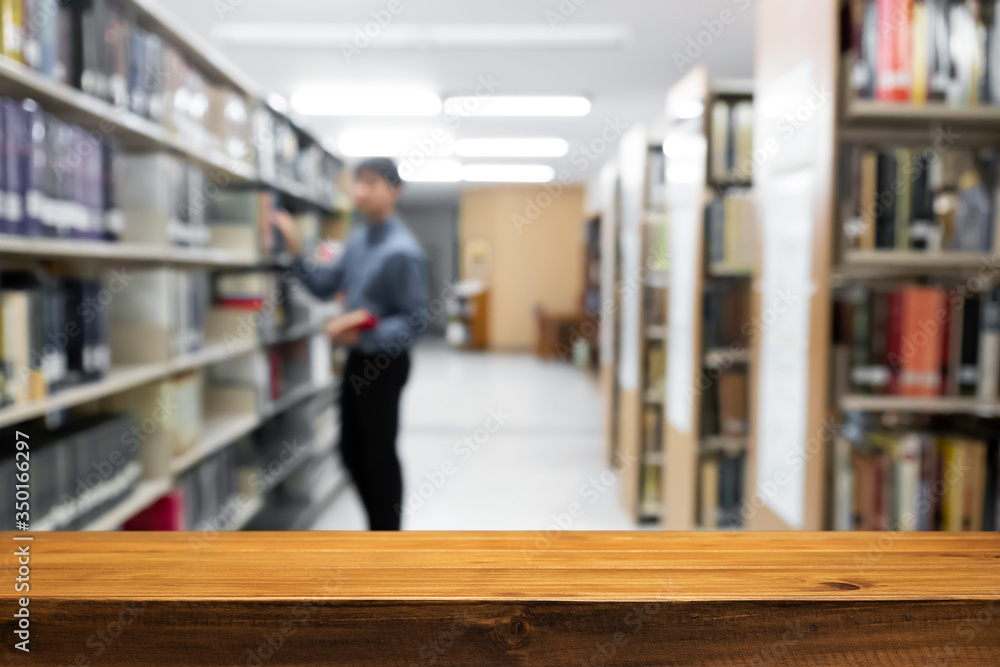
x,y
534,255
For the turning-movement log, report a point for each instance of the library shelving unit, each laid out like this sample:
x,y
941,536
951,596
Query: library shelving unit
x,y
141,372
608,186
712,264
837,223
640,342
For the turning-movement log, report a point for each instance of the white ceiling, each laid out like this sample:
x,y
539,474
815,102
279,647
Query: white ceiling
x,y
627,83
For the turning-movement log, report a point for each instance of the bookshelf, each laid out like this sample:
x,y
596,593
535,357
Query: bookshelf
x,y
711,235
823,428
609,188
641,395
236,154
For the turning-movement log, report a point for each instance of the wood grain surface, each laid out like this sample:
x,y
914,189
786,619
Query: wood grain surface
x,y
421,598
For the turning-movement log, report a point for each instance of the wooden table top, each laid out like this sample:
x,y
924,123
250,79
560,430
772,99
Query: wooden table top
x,y
509,567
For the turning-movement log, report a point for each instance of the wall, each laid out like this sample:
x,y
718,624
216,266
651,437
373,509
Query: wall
x,y
533,256
436,227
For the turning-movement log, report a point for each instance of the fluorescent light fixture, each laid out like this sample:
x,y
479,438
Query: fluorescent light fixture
x,y
365,101
508,173
687,109
412,37
396,143
518,106
431,171
512,147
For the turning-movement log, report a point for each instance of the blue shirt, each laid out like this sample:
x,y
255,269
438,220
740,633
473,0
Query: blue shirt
x,y
383,270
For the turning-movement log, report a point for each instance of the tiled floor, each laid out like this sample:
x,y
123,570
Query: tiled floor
x,y
525,475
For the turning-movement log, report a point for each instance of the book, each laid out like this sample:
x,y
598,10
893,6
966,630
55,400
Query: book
x,y
920,341
709,515
894,78
989,346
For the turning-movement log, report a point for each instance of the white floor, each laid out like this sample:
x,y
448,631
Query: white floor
x,y
537,469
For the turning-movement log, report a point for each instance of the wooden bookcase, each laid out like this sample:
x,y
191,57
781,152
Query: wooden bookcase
x,y
806,117
694,370
640,290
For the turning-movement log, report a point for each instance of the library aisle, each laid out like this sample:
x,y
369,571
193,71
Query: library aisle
x,y
526,474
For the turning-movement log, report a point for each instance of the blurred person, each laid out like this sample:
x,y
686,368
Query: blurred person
x,y
384,277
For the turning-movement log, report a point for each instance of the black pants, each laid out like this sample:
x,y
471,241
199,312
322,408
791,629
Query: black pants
x,y
369,422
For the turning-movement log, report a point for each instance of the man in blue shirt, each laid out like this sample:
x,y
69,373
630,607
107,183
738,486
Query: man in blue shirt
x,y
382,273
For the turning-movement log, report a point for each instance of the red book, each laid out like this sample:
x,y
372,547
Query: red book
x,y
167,513
922,332
894,72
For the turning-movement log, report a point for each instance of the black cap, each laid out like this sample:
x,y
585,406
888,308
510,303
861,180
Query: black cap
x,y
382,167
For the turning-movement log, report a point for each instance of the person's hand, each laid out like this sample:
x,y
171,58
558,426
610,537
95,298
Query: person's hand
x,y
343,330
283,221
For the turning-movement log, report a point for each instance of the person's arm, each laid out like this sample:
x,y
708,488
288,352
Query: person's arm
x,y
322,281
408,276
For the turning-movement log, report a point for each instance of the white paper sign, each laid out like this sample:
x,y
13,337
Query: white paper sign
x,y
787,207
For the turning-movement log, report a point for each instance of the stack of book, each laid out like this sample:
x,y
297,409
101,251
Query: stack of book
x,y
731,141
917,341
720,498
240,220
77,471
731,231
916,481
922,200
925,50
164,199
53,335
160,314
56,179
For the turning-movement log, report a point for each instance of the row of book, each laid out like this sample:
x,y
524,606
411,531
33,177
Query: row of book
x,y
215,494
98,46
720,492
160,314
923,200
917,341
56,179
916,481
53,335
731,231
731,140
926,50
77,471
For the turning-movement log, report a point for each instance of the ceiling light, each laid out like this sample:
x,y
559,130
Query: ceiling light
x,y
510,147
365,101
396,143
509,173
517,106
431,171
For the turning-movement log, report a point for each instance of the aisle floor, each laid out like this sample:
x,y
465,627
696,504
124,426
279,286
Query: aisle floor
x,y
545,457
